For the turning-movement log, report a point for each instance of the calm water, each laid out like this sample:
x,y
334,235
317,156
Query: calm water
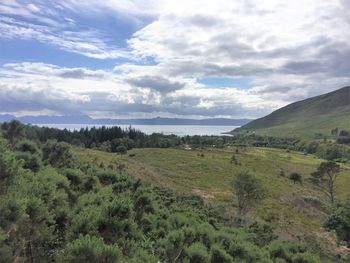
x,y
180,130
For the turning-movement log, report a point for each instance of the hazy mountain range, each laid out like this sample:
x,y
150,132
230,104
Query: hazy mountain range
x,y
83,119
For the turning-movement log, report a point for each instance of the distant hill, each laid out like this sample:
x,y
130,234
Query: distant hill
x,y
311,118
83,119
6,117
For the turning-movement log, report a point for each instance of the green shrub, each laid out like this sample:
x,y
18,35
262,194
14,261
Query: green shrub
x,y
75,177
263,234
219,255
197,253
339,220
58,154
296,177
30,161
107,177
90,249
27,146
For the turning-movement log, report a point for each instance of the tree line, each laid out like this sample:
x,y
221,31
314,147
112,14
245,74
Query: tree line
x,y
116,139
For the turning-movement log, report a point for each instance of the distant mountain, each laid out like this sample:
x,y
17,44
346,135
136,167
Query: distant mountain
x,y
83,119
74,119
6,117
311,118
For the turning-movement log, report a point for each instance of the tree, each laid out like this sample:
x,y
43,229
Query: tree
x,y
13,131
325,177
249,191
295,177
9,166
121,150
339,220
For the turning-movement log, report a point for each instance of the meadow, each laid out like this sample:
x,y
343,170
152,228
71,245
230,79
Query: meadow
x,y
297,211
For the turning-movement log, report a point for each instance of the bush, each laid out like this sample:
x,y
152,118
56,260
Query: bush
x,y
91,249
263,234
107,177
121,149
291,252
30,161
197,253
75,177
339,220
27,146
58,154
295,177
219,255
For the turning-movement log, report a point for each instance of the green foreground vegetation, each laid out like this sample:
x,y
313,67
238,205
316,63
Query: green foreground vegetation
x,y
65,203
297,211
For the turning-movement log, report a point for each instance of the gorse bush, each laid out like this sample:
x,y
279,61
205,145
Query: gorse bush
x,y
339,221
87,249
57,154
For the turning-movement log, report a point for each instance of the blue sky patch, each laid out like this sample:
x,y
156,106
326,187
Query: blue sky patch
x,y
221,82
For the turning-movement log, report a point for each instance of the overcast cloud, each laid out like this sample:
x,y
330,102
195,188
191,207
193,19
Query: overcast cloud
x,y
170,58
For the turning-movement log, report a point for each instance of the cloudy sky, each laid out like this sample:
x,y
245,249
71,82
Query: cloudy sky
x,y
169,58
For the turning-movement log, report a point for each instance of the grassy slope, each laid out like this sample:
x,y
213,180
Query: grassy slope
x,y
305,118
211,176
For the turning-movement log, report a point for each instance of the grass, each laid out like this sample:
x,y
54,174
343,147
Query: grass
x,y
309,128
310,118
294,209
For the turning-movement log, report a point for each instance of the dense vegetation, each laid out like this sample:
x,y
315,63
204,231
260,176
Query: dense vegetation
x,y
312,118
325,149
56,207
115,139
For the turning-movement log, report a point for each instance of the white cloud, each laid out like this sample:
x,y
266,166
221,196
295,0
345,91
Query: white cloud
x,y
127,7
33,87
288,50
47,23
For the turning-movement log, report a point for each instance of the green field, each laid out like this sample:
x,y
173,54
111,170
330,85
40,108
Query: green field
x,y
297,211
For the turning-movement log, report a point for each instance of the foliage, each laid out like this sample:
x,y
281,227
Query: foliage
x,y
30,161
296,177
290,252
87,249
57,154
9,166
339,220
325,178
197,253
249,192
69,211
13,131
27,146
121,149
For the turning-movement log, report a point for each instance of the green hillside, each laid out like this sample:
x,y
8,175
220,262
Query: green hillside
x,y
310,118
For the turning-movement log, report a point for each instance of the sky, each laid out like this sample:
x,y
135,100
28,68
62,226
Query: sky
x,y
169,58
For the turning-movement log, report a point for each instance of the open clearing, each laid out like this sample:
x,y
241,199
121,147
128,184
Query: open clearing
x,y
295,209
